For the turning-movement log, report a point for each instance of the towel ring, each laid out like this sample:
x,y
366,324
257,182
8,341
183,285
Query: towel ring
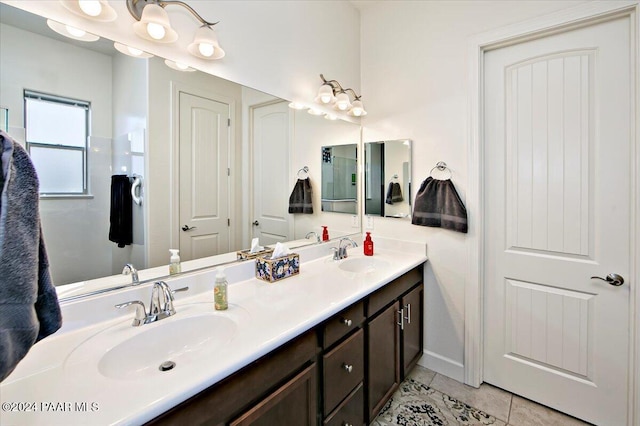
x,y
304,170
442,166
136,189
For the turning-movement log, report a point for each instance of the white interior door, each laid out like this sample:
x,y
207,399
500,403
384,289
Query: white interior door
x,y
271,147
558,169
204,180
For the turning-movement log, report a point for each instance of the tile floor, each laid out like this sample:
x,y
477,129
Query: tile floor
x,y
426,398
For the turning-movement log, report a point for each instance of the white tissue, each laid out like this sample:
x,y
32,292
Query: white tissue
x,y
280,250
255,247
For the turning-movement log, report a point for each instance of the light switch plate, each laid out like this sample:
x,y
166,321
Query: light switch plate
x,y
355,222
369,222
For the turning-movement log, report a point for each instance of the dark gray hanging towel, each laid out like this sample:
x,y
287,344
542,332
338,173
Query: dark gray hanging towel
x,y
438,204
301,199
29,309
394,193
121,215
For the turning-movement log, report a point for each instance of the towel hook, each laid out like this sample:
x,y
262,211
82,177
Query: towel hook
x,y
442,166
395,176
304,170
136,189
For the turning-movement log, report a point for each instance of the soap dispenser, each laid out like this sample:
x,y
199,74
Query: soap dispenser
x,y
368,245
220,291
174,262
325,233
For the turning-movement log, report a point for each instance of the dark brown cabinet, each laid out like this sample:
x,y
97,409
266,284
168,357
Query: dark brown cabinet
x,y
412,309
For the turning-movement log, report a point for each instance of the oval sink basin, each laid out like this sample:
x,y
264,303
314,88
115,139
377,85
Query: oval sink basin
x,y
178,341
362,265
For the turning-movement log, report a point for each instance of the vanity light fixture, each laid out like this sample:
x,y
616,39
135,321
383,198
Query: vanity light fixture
x,y
178,66
332,93
71,32
97,10
131,51
153,24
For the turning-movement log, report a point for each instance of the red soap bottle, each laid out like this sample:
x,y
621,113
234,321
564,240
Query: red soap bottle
x,y
368,245
325,234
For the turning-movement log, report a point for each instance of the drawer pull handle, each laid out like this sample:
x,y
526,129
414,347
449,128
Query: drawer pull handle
x,y
346,322
346,424
401,323
408,317
347,367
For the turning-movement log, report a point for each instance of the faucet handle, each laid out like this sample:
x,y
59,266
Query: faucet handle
x,y
172,292
140,311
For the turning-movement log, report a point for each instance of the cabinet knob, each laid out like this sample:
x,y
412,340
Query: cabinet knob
x,y
347,322
346,424
347,367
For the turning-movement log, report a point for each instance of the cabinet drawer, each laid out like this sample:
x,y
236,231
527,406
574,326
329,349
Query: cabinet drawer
x,y
393,290
342,323
350,412
343,370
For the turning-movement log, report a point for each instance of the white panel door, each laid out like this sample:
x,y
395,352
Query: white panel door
x,y
558,175
204,180
271,147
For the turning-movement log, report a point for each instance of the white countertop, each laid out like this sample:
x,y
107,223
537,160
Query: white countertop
x,y
59,380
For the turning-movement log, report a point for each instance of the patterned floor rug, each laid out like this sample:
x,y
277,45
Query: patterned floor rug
x,y
416,404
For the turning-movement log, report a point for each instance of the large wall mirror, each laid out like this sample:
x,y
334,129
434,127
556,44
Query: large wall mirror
x,y
215,161
339,178
387,178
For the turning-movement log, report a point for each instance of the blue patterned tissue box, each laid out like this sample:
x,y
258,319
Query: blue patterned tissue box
x,y
280,268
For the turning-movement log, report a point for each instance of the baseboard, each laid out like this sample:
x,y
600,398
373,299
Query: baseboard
x,y
442,365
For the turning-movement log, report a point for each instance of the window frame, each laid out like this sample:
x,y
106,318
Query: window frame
x,y
61,100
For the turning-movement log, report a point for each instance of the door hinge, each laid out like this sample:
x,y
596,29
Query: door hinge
x,y
228,222
228,122
228,171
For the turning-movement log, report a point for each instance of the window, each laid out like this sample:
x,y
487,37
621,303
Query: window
x,y
57,131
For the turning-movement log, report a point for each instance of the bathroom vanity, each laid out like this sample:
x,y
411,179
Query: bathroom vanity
x,y
329,346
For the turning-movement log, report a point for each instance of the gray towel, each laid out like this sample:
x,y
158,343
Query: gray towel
x,y
394,193
438,204
301,199
29,309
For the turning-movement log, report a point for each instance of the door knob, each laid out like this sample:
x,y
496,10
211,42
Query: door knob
x,y
613,279
256,223
188,228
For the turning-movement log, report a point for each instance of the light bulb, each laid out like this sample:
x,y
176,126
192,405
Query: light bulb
x,y
325,99
134,51
76,32
182,66
90,7
156,31
206,49
356,111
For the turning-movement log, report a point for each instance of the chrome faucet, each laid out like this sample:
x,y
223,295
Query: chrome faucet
x,y
130,269
309,234
341,252
160,307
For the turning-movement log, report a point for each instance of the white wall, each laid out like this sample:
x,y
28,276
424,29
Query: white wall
x,y
73,228
414,84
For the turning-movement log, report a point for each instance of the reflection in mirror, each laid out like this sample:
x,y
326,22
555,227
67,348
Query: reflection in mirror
x,y
387,176
339,183
137,108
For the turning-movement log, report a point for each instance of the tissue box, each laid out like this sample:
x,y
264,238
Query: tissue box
x,y
280,268
244,254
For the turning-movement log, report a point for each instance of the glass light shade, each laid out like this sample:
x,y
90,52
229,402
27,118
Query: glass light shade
x,y
154,25
178,66
342,102
97,10
357,109
131,51
71,32
297,105
205,44
325,94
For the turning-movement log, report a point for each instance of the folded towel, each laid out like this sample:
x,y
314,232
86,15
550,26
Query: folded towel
x,y
394,193
301,199
29,309
121,215
438,204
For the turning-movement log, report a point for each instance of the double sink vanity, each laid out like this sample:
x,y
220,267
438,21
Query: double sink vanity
x,y
328,346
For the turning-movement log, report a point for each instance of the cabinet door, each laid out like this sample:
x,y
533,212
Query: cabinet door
x,y
384,358
293,404
412,328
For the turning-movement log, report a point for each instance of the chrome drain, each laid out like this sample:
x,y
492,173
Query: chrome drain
x,y
167,365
